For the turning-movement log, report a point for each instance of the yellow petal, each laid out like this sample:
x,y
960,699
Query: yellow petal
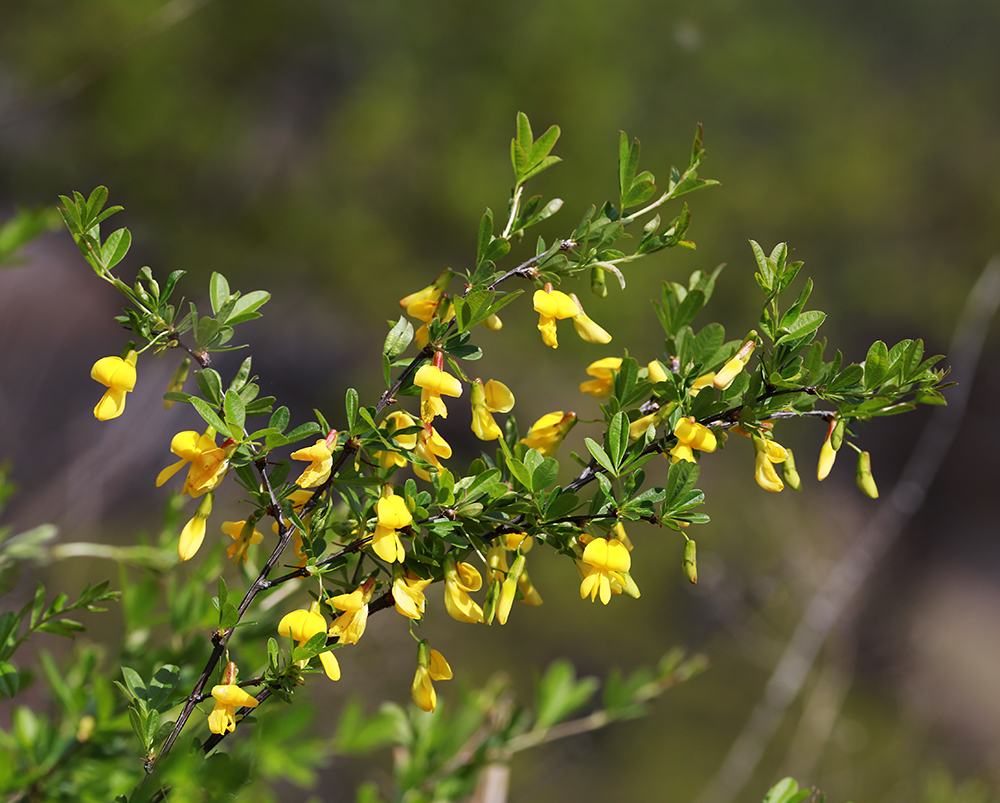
x,y
469,578
393,513
301,625
438,381
231,694
483,425
767,478
547,326
386,544
114,372
111,405
438,667
589,331
221,719
168,472
330,664
422,690
556,305
499,399
191,537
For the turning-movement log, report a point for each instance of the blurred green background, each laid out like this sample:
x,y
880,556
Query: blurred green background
x,y
341,154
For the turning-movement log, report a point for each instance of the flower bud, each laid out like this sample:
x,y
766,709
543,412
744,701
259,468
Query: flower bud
x,y
690,563
863,476
508,590
493,323
490,603
597,284
788,472
837,437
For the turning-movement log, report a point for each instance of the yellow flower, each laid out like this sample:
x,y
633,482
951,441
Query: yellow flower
x,y
118,376
519,541
395,421
431,665
228,697
702,381
604,560
422,304
508,589
552,305
459,580
392,515
656,373
588,331
320,459
724,378
302,625
234,529
690,436
208,461
194,531
638,427
604,370
350,625
768,452
433,383
522,543
547,433
827,454
430,446
408,592
495,397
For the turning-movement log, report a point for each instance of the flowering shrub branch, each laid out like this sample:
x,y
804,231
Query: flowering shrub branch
x,y
366,539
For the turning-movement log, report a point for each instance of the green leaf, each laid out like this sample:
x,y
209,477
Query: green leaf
x,y
136,688
162,686
806,323
616,439
399,337
152,726
519,471
210,416
279,419
138,722
314,646
245,308
524,136
485,236
229,616
218,291
10,681
876,365
115,247
236,412
766,271
847,378
598,453
544,474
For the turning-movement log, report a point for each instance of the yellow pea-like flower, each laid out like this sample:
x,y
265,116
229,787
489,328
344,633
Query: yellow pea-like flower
x,y
118,376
